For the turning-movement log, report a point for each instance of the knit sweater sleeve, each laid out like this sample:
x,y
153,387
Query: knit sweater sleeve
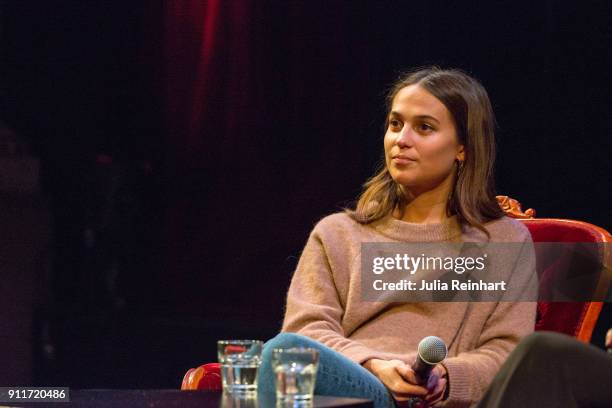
x,y
470,373
315,306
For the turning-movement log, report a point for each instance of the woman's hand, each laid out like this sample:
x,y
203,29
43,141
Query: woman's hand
x,y
436,385
398,377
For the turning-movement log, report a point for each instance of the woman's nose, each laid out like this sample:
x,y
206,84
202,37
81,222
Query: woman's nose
x,y
404,138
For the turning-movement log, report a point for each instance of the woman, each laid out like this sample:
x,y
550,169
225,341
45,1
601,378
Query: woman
x,y
436,185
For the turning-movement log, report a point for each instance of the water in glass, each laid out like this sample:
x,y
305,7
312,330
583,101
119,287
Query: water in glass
x,y
295,381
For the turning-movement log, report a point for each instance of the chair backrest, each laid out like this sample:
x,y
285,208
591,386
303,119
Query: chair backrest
x,y
576,319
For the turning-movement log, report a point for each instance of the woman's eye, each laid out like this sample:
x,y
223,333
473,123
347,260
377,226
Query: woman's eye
x,y
394,123
424,127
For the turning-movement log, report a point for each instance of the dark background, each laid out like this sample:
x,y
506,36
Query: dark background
x,y
187,148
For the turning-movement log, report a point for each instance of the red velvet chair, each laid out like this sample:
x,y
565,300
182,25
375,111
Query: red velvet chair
x,y
576,319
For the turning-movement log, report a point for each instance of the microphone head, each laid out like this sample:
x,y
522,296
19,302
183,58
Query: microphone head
x,y
432,350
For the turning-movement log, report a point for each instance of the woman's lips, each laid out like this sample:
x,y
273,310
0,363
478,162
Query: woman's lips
x,y
401,160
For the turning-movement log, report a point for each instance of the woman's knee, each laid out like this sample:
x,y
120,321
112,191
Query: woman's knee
x,y
288,340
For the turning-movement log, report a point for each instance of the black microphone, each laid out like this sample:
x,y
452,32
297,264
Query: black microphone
x,y
431,351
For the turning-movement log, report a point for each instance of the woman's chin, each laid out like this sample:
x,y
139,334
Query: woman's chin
x,y
406,181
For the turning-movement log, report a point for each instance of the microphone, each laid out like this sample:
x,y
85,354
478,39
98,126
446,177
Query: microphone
x,y
431,351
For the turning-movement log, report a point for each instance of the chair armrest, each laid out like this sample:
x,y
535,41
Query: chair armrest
x,y
205,377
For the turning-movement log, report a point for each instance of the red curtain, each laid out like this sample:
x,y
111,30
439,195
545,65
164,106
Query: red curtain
x,y
246,115
207,58
207,80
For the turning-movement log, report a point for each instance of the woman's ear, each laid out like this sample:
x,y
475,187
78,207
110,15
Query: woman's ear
x,y
460,153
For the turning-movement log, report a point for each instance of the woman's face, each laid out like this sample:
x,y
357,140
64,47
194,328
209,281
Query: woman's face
x,y
421,143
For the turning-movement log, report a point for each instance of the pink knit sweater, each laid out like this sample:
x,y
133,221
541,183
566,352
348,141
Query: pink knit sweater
x,y
324,303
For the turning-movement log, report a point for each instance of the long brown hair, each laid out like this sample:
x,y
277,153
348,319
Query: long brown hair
x,y
472,198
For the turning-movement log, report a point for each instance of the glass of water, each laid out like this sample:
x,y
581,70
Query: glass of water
x,y
240,361
295,373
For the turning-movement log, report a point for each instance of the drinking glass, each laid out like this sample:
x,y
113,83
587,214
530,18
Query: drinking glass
x,y
240,361
295,373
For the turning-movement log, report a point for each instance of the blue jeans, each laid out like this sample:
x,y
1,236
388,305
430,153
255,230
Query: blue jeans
x,y
337,375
